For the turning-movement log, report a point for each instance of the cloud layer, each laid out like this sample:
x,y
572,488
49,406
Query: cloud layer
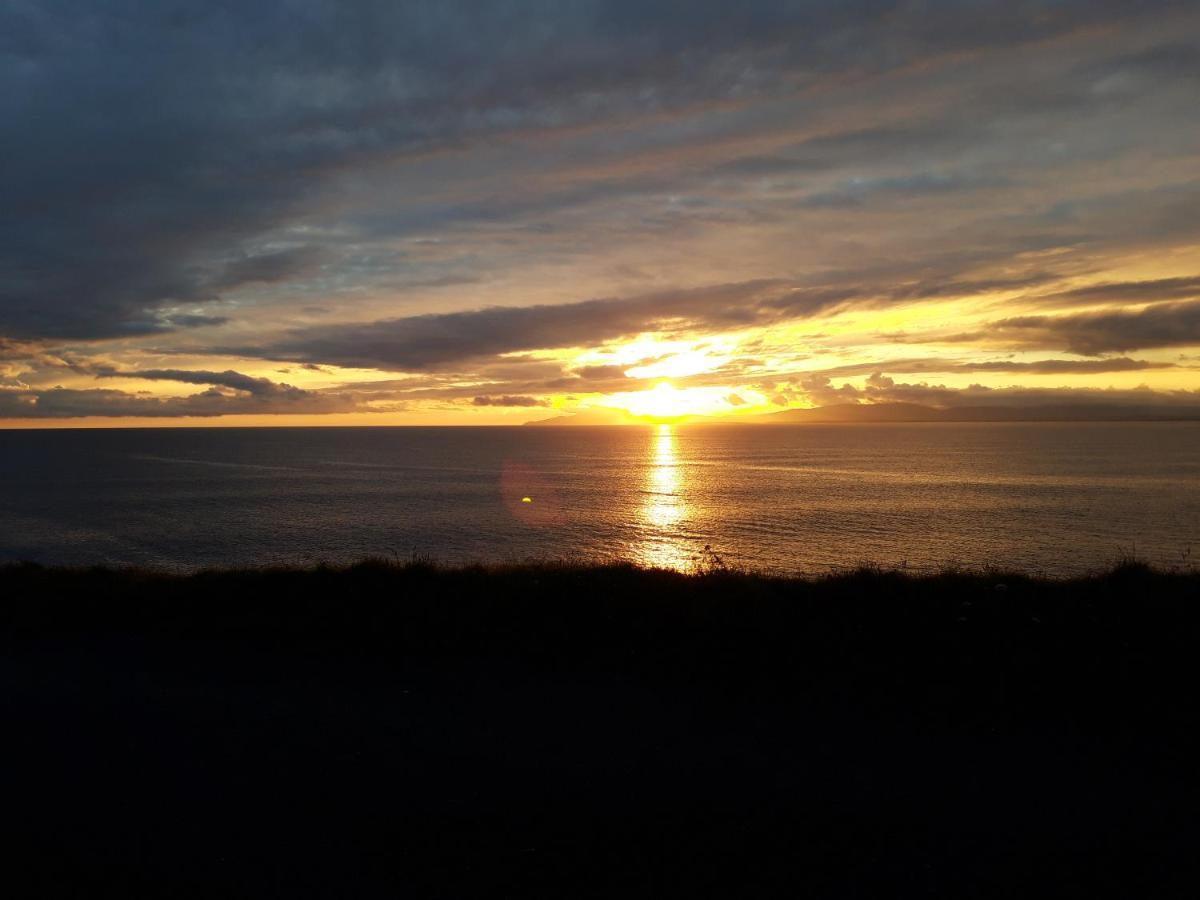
x,y
198,195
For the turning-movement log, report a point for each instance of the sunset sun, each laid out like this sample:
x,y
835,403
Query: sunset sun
x,y
666,403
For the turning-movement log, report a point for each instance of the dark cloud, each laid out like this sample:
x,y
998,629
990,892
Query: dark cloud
x,y
435,341
819,389
593,373
860,191
191,320
1153,291
516,376
882,388
66,403
1176,61
951,287
269,267
1065,366
1032,367
1090,334
229,393
160,154
758,166
508,400
262,387
10,349
431,341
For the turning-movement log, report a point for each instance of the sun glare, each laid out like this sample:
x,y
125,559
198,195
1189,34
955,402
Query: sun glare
x,y
667,403
663,401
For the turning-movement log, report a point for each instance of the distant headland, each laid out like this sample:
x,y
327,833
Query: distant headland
x,y
879,413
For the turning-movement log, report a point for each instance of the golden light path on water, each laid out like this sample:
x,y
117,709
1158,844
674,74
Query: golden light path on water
x,y
664,508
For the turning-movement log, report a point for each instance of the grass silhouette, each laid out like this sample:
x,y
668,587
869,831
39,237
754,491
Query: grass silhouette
x,y
400,729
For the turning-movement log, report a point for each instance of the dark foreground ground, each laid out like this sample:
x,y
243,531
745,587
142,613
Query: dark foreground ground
x,y
568,732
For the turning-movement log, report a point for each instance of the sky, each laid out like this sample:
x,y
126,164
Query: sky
x,y
455,212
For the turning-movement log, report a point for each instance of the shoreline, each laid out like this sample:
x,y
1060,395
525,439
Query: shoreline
x,y
707,565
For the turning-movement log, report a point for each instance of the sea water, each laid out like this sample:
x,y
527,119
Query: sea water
x,y
1058,499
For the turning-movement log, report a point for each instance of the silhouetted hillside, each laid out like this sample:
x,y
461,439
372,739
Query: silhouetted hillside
x,y
855,412
564,731
878,413
912,412
587,417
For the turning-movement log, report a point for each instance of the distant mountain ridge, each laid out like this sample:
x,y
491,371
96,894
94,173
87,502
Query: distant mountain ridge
x,y
882,413
913,412
588,417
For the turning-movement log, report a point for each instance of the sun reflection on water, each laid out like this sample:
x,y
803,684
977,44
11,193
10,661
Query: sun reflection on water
x,y
664,508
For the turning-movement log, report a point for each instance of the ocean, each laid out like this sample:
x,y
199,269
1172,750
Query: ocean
x,y
1058,499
